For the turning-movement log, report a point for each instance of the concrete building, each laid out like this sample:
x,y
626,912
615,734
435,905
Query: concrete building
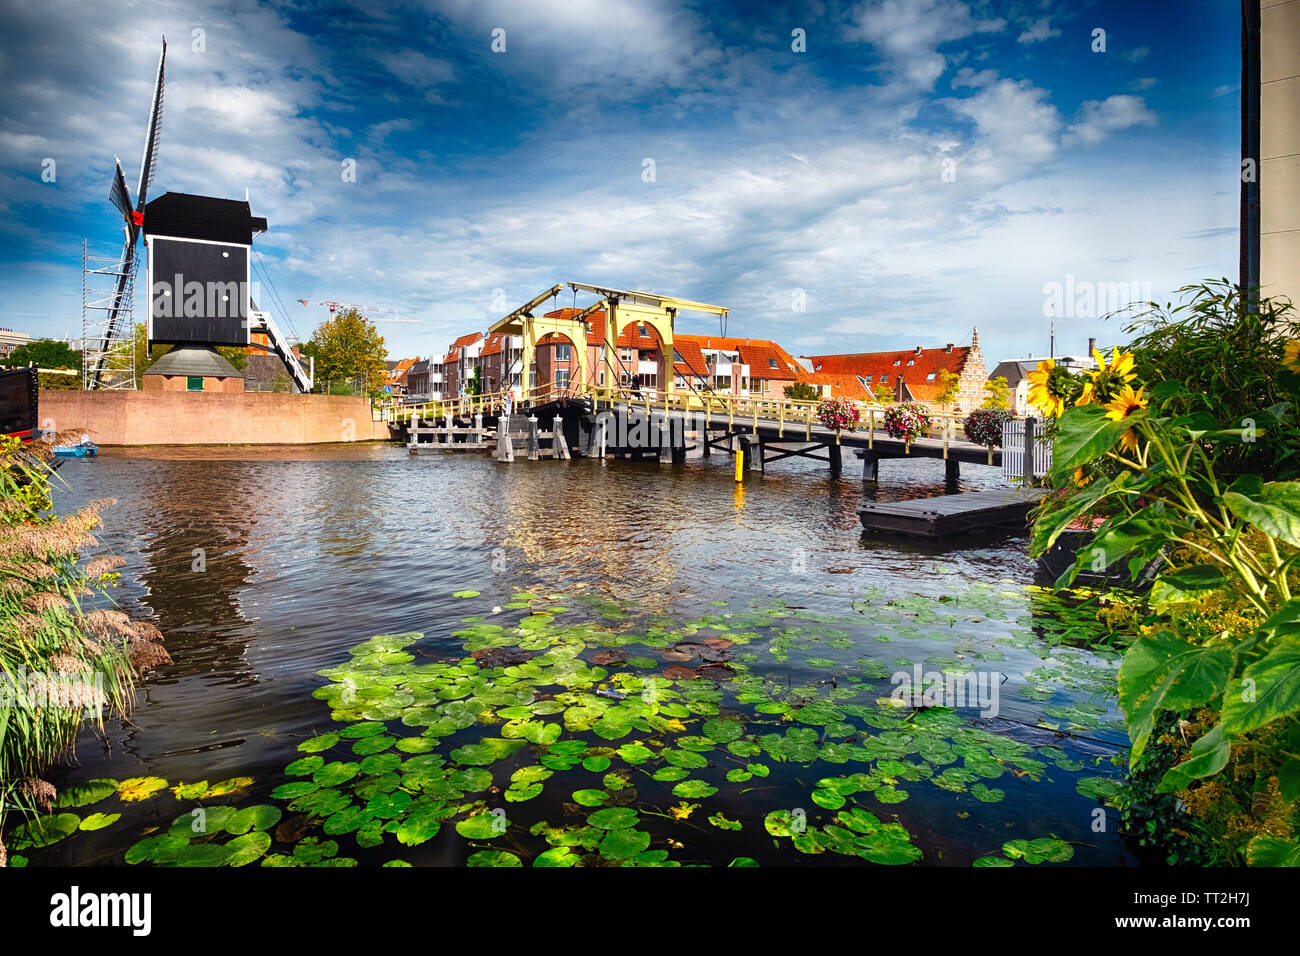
x,y
10,340
1279,148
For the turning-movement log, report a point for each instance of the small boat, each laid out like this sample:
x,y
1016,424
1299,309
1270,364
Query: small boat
x,y
83,449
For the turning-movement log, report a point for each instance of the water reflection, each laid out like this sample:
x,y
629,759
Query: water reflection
x,y
310,551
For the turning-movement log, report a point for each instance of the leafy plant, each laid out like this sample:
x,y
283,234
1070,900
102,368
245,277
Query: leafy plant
x,y
984,426
907,421
838,413
1221,630
59,663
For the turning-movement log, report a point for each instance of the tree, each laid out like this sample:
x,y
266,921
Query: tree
x,y
949,387
998,394
883,394
235,355
801,391
45,353
142,357
346,346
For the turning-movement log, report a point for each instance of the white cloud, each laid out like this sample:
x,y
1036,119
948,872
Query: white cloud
x,y
908,33
1040,30
1098,119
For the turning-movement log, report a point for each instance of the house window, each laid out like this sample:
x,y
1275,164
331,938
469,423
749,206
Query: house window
x,y
884,378
930,377
771,363
602,377
911,361
562,378
562,352
897,361
193,383
867,379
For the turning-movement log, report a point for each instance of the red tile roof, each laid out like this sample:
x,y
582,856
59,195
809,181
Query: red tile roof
x,y
692,359
764,361
915,376
398,372
465,340
492,344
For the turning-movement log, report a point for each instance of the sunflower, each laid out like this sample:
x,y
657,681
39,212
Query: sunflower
x,y
1081,479
1125,403
1107,379
1049,388
1292,354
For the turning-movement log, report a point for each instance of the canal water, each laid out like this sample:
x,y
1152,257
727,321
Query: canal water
x,y
586,663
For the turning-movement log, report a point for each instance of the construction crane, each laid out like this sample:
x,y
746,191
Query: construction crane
x,y
362,310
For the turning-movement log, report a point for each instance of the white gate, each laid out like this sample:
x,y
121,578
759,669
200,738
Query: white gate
x,y
1013,449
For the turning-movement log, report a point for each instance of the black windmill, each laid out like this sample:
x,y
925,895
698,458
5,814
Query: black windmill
x,y
199,271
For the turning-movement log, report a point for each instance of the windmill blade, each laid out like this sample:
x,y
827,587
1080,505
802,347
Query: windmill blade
x,y
119,195
150,158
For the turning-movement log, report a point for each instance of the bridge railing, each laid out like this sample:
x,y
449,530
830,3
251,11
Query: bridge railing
x,y
793,417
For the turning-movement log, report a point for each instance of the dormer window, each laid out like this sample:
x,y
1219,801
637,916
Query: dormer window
x,y
911,361
898,361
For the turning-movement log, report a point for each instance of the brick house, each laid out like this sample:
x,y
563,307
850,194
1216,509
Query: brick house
x,y
500,357
911,375
459,363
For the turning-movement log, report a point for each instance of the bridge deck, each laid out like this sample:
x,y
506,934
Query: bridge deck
x,y
951,514
873,443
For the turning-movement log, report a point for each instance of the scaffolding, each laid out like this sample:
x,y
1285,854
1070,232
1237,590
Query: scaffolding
x,y
107,320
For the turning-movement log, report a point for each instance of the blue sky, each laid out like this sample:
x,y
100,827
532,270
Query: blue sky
x,y
921,168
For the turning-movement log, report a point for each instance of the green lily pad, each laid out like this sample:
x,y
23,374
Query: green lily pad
x,y
493,858
613,818
483,826
84,794
44,831
623,844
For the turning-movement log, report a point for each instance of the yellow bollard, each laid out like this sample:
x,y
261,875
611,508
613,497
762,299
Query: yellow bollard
x,y
740,464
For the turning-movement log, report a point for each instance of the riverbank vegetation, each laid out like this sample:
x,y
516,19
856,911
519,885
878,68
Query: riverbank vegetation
x,y
1180,451
61,662
348,349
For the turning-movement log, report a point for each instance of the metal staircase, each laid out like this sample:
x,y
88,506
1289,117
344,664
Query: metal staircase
x,y
260,321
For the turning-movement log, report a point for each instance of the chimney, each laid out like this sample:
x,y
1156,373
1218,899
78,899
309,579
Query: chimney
x,y
1092,344
918,350
948,347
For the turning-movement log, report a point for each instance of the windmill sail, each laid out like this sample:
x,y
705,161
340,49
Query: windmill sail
x,y
124,284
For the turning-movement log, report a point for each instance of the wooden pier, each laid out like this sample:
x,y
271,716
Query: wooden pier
x,y
951,514
430,436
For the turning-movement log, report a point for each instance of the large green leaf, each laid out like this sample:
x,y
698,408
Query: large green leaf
x,y
1268,689
1274,508
1189,584
1138,537
1166,673
1083,434
1208,756
1272,851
